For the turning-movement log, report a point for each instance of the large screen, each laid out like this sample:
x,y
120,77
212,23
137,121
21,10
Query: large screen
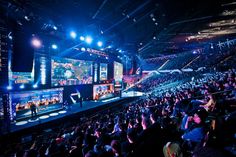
x,y
45,100
20,77
71,72
118,71
103,91
103,71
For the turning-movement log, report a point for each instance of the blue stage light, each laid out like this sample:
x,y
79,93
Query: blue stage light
x,y
88,40
81,38
35,86
22,86
83,49
99,44
9,87
54,46
73,34
55,28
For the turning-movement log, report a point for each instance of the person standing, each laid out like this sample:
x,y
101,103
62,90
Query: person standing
x,y
33,110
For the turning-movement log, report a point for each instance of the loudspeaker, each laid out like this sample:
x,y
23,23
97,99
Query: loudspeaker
x,y
23,52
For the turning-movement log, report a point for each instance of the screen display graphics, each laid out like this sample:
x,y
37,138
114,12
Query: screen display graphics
x,y
103,91
103,71
21,77
45,100
71,72
118,71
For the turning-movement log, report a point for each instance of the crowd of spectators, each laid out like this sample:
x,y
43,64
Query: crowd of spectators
x,y
174,122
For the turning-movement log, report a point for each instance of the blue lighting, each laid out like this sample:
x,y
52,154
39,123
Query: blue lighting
x,y
22,86
109,46
120,51
73,34
55,28
194,52
99,43
35,86
88,40
83,49
54,46
9,87
81,38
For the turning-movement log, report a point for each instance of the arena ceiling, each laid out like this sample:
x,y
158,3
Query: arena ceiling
x,y
147,28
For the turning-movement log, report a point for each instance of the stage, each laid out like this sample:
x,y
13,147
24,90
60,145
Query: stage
x,y
70,111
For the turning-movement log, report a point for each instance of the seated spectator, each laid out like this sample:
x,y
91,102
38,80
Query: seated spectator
x,y
195,127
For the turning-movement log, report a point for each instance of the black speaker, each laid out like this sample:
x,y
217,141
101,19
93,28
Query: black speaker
x,y
23,52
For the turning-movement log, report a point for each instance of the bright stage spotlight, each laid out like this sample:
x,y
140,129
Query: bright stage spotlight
x,y
55,28
88,40
99,44
35,86
81,38
9,87
36,43
73,34
54,46
83,49
22,86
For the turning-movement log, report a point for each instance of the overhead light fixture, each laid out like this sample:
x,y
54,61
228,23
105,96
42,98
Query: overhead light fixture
x,y
99,43
73,34
88,40
36,43
81,38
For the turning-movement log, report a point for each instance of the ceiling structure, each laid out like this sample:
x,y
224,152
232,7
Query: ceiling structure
x,y
147,28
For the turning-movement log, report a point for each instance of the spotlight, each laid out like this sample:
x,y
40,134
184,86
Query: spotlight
x,y
54,46
9,36
120,51
88,40
55,28
83,49
99,44
9,87
106,57
194,52
36,43
26,18
35,86
73,34
22,86
81,38
102,49
109,46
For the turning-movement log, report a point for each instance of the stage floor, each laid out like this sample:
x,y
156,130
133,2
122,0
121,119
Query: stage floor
x,y
69,110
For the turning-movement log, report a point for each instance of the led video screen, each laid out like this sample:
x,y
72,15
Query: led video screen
x,y
103,71
21,78
103,91
118,71
71,72
45,101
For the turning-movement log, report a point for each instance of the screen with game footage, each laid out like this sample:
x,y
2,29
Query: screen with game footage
x,y
71,72
103,71
118,71
46,100
103,91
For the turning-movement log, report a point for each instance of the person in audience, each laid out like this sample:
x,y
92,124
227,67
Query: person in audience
x,y
195,127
